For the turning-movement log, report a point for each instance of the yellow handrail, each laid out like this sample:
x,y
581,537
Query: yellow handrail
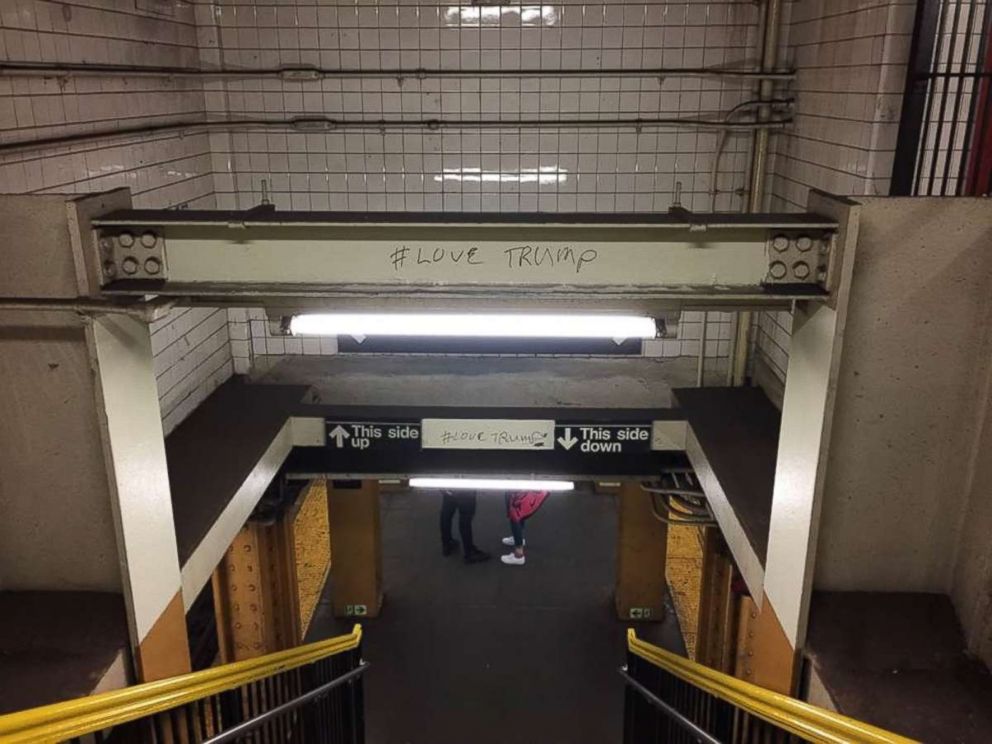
x,y
802,719
60,721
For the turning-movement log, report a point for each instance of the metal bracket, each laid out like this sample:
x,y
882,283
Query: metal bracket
x,y
798,257
130,255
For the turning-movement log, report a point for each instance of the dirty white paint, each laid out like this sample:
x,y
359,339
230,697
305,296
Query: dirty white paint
x,y
669,435
362,261
799,469
131,429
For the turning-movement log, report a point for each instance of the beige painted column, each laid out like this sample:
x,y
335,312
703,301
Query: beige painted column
x,y
783,609
779,618
134,452
356,549
642,547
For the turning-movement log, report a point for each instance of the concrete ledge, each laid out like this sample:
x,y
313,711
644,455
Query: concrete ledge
x,y
733,447
898,660
58,646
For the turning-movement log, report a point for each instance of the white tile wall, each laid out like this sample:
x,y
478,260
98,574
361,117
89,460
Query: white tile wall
x,y
192,357
851,60
191,351
772,332
251,338
850,57
687,340
506,169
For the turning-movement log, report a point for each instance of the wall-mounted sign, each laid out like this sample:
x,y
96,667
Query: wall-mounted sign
x,y
527,445
488,434
503,434
363,435
604,438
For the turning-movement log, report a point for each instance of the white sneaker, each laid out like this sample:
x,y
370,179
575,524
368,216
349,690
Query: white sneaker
x,y
508,542
512,559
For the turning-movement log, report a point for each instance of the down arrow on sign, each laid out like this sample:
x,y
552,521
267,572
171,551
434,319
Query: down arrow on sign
x,y
567,441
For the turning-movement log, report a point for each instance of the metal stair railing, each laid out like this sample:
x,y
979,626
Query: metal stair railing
x,y
310,693
671,700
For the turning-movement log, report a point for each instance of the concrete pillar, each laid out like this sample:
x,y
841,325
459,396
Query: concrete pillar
x,y
84,490
57,531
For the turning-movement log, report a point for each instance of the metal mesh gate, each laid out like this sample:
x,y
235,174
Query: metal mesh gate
x,y
945,133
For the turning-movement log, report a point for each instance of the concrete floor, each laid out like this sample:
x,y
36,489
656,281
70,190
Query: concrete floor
x,y
486,654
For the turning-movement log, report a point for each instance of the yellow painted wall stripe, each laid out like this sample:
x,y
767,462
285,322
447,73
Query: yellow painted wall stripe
x,y
802,719
59,721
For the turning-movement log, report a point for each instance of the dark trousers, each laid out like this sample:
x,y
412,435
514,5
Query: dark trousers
x,y
464,504
517,530
516,527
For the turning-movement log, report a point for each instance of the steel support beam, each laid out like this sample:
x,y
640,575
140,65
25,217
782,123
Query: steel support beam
x,y
269,257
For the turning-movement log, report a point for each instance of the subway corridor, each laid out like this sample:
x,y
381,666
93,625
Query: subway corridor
x,y
464,653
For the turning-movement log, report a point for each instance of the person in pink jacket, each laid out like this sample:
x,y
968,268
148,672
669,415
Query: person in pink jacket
x,y
520,506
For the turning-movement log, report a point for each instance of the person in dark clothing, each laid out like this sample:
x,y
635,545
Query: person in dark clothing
x,y
464,503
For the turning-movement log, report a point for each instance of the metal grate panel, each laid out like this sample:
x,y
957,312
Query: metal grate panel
x,y
945,133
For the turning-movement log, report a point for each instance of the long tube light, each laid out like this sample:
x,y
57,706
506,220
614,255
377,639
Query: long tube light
x,y
502,325
492,484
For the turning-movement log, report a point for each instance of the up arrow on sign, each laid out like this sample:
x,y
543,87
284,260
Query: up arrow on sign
x,y
339,434
567,441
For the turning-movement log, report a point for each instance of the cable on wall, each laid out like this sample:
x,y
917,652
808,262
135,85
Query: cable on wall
x,y
310,74
319,124
682,501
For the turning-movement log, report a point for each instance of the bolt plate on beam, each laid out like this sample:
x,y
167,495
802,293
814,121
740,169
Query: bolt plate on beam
x,y
798,257
127,254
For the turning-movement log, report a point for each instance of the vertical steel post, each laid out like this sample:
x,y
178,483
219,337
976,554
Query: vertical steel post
x,y
701,360
758,178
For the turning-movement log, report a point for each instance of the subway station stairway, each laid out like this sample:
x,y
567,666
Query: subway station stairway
x,y
314,693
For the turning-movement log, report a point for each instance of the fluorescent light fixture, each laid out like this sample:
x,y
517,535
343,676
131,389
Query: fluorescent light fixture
x,y
503,325
492,14
543,174
492,484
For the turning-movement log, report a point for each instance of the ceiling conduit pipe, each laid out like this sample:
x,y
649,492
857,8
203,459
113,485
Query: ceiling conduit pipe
x,y
318,124
737,367
302,74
